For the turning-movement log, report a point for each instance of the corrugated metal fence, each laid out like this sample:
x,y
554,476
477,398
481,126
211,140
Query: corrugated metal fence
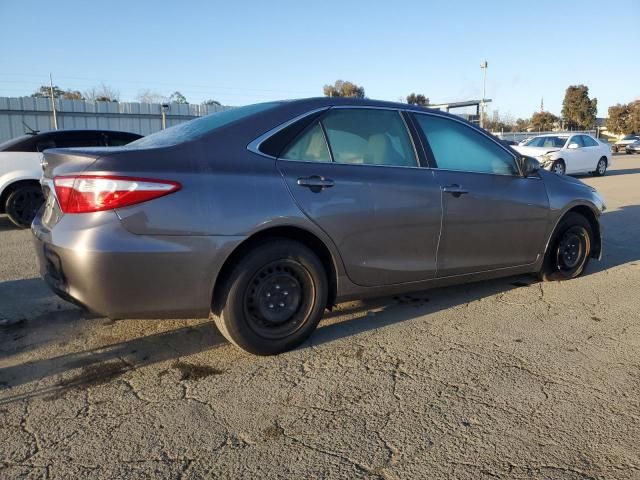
x,y
142,118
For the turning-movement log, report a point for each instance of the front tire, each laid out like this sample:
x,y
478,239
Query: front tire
x,y
601,168
559,167
275,297
23,204
569,249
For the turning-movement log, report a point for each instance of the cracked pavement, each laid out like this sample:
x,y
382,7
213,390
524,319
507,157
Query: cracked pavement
x,y
508,378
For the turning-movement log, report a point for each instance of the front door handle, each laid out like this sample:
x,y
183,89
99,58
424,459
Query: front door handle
x,y
455,190
315,183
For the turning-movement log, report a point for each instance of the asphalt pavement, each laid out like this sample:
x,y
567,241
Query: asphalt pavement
x,y
509,379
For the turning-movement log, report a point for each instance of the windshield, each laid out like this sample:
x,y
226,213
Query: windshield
x,y
630,137
554,142
198,127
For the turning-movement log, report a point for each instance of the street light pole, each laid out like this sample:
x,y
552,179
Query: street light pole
x,y
483,66
53,103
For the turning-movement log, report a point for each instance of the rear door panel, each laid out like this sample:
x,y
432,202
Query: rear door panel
x,y
384,220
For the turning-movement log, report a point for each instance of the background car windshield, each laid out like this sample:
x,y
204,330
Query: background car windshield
x,y
199,127
556,142
630,137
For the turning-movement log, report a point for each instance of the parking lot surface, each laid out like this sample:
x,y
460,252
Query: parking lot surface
x,y
503,379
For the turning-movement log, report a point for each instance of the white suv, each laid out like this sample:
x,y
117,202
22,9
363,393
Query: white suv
x,y
20,171
568,153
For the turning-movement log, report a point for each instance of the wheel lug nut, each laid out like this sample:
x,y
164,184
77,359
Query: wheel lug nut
x,y
281,304
277,287
285,293
268,295
271,305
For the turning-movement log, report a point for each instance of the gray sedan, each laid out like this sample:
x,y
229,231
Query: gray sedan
x,y
266,215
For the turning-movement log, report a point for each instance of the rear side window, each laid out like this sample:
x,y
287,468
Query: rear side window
x,y
80,140
309,147
456,146
370,137
120,139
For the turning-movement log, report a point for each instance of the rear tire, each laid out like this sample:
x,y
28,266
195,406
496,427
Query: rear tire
x,y
601,168
569,249
23,204
274,298
559,167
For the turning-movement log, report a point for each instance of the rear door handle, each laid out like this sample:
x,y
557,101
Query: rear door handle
x,y
315,182
455,190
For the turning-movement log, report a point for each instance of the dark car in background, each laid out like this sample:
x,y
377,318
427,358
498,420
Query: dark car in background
x,y
268,214
20,172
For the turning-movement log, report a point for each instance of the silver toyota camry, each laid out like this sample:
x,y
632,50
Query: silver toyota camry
x,y
266,215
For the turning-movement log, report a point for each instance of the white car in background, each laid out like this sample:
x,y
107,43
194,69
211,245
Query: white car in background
x,y
621,145
565,153
20,170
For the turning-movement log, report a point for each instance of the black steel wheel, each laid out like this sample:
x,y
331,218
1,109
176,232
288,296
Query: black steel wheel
x,y
569,250
274,298
23,204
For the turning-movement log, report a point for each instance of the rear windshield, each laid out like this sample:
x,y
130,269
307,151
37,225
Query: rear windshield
x,y
198,127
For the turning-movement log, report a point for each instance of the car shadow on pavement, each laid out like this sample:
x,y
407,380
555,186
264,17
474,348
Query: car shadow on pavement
x,y
5,224
105,363
620,233
623,171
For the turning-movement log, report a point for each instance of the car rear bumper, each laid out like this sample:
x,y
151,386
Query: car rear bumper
x,y
91,260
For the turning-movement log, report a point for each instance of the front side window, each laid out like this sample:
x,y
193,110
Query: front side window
x,y
369,137
456,146
577,140
309,147
588,141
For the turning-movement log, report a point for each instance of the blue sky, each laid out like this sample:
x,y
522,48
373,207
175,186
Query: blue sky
x,y
241,52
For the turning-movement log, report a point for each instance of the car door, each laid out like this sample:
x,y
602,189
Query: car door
x,y
355,173
492,216
576,156
593,151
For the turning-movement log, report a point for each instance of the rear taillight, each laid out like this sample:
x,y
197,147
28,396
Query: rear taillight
x,y
94,193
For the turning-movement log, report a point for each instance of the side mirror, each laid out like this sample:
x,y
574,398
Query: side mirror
x,y
529,166
573,146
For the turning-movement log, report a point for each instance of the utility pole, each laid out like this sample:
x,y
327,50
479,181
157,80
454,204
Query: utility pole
x,y
483,66
53,103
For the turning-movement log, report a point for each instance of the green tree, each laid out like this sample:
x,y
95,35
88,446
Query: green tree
x,y
543,121
343,89
45,92
634,117
619,119
578,110
177,97
417,99
522,124
211,101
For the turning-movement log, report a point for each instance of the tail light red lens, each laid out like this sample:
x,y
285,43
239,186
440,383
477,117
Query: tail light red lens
x,y
94,193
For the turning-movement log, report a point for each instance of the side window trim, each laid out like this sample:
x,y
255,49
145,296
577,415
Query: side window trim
x,y
324,135
430,159
435,163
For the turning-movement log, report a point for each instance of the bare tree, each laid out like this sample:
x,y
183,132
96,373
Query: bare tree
x,y
149,96
102,93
